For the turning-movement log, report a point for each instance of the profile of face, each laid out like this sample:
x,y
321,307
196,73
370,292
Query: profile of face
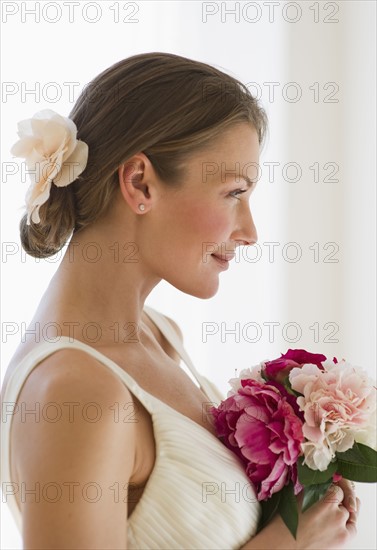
x,y
208,215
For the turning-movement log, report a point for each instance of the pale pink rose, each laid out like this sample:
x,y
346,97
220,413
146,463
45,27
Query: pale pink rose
x,y
339,405
52,154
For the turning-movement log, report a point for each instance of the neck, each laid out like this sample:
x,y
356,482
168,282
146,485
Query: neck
x,y
102,284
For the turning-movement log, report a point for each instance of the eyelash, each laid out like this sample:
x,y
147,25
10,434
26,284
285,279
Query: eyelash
x,y
239,192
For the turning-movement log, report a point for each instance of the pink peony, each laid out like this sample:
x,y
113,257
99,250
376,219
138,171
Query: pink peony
x,y
261,427
278,369
339,406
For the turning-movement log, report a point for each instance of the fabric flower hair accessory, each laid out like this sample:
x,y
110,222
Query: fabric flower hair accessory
x,y
52,154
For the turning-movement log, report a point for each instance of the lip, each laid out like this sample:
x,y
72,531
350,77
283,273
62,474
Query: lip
x,y
221,261
228,257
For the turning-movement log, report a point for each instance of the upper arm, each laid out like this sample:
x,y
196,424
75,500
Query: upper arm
x,y
75,454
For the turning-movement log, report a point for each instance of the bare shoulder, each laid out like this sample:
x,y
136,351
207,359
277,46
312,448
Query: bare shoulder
x,y
75,373
73,441
73,397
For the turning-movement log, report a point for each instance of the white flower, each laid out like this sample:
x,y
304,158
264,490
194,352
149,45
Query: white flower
x,y
317,457
52,154
245,374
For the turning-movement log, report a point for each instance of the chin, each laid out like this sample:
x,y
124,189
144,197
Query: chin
x,y
201,290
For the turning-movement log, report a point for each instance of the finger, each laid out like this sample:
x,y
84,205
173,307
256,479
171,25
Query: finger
x,y
351,528
349,500
358,504
351,503
345,513
347,486
354,506
334,494
351,524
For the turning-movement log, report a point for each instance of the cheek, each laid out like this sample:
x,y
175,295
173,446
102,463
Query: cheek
x,y
205,221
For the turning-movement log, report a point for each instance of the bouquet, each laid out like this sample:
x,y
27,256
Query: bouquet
x,y
299,423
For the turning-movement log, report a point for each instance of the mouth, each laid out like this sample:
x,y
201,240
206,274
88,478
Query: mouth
x,y
221,260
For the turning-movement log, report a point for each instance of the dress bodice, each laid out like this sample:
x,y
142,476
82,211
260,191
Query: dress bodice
x,y
197,496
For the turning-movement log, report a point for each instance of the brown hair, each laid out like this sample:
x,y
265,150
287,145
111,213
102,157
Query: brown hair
x,y
162,104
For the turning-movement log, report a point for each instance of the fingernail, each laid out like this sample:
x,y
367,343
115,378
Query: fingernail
x,y
352,502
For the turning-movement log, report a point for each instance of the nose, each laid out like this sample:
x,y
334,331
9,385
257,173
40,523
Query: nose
x,y
246,232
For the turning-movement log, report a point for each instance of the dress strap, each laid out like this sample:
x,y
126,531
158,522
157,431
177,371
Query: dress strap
x,y
170,334
43,350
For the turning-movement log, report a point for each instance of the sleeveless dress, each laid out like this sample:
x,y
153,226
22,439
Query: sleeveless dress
x,y
197,496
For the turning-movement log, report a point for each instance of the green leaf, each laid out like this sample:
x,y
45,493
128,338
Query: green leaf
x,y
307,476
264,376
358,463
269,509
288,508
314,493
359,454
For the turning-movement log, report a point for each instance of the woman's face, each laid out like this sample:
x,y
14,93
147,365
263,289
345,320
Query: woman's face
x,y
208,215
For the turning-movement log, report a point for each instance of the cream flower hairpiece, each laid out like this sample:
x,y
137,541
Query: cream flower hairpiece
x,y
52,154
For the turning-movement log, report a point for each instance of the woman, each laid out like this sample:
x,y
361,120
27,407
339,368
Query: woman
x,y
121,454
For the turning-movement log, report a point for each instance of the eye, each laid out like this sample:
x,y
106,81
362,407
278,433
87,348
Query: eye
x,y
237,192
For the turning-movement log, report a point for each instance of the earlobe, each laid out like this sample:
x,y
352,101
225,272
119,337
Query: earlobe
x,y
132,184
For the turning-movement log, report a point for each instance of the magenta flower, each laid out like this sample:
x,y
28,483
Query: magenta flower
x,y
278,369
261,427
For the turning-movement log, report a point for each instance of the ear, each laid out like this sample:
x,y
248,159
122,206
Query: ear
x,y
134,176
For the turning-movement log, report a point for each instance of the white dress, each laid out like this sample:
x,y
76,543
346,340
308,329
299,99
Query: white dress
x,y
197,496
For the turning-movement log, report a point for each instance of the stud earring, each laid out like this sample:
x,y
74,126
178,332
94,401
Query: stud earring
x,y
142,207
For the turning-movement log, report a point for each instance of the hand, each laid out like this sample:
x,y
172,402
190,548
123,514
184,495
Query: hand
x,y
350,502
331,522
327,525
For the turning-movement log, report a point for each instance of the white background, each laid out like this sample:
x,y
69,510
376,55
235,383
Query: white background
x,y
314,66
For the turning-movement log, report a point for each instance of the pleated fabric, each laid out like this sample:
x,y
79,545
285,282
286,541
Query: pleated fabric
x,y
197,496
